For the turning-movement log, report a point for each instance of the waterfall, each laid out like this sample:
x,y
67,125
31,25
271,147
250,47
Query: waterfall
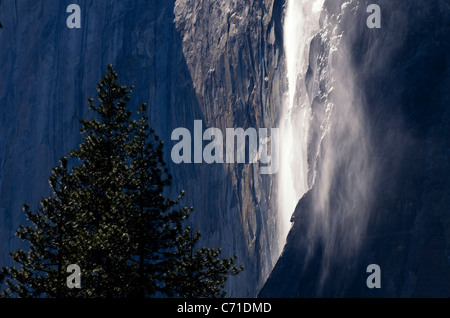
x,y
325,143
300,24
374,138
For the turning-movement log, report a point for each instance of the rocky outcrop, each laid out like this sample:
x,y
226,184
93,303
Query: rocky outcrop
x,y
233,54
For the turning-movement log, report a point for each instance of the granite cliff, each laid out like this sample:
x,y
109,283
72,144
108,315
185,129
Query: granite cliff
x,y
215,61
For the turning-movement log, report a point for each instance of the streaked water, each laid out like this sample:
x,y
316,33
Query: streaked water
x,y
300,25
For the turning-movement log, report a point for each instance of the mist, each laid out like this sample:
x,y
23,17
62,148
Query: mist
x,y
326,142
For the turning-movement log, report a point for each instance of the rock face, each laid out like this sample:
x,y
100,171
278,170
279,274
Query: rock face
x,y
385,197
217,61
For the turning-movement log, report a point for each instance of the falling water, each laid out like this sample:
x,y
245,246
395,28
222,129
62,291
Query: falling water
x,y
341,169
300,25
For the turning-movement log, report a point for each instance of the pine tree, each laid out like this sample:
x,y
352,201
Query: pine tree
x,y
43,267
104,204
156,222
198,272
109,215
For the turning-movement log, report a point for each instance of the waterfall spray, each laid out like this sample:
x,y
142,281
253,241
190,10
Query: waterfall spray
x,y
325,145
300,25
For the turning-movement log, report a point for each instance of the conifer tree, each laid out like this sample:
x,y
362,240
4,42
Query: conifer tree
x,y
156,222
103,174
43,266
198,272
109,215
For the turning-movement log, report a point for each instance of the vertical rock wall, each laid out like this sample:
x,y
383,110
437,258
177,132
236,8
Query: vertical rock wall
x,y
217,61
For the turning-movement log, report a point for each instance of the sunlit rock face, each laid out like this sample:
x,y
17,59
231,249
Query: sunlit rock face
x,y
216,61
378,157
